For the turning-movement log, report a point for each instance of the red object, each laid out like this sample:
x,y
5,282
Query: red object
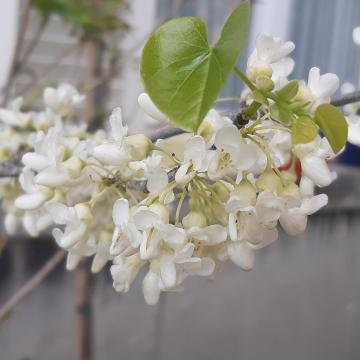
x,y
297,166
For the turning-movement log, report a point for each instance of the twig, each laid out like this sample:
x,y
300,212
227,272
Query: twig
x,y
166,133
141,185
35,41
49,69
347,99
11,169
32,283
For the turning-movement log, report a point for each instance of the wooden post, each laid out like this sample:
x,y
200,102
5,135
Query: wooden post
x,y
84,321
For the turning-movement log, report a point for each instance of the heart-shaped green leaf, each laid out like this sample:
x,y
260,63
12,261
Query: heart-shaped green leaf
x,y
304,130
183,74
333,124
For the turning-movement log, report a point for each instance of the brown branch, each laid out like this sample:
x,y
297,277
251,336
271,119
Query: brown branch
x,y
11,169
20,294
346,99
48,70
35,41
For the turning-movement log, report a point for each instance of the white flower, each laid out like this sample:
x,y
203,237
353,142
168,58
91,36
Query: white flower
x,y
124,271
172,269
233,154
48,152
209,235
280,147
242,255
313,157
63,99
246,231
294,214
270,58
13,116
356,35
213,122
353,121
76,220
319,88
36,195
113,152
126,237
153,221
34,222
150,108
175,266
288,209
11,223
195,160
157,177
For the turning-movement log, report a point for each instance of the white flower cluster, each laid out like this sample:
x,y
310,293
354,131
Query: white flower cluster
x,y
177,207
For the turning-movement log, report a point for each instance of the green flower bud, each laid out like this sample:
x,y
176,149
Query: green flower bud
x,y
161,210
83,212
291,190
194,218
269,181
246,190
139,146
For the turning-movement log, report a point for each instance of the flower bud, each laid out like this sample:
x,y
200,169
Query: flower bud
x,y
74,166
161,210
194,219
246,190
269,181
291,190
206,130
139,146
261,70
83,212
221,190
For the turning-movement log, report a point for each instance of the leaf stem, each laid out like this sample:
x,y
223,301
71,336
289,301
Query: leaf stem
x,y
244,78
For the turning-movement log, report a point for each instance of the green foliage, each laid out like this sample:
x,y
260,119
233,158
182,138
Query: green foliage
x,y
289,91
91,18
304,130
333,124
183,73
282,113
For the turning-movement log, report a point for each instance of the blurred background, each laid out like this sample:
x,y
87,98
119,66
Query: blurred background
x,y
302,301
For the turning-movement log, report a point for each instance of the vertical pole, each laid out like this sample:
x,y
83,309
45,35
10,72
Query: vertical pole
x,y
84,320
83,279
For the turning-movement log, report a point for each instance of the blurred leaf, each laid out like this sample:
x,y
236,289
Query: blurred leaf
x,y
90,17
289,91
333,124
304,130
281,113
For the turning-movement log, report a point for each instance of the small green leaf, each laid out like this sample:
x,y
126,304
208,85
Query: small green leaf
x,y
304,130
259,97
183,74
289,91
333,124
281,114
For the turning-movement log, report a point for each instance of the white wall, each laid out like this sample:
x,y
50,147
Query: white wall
x,y
271,16
142,20
9,17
